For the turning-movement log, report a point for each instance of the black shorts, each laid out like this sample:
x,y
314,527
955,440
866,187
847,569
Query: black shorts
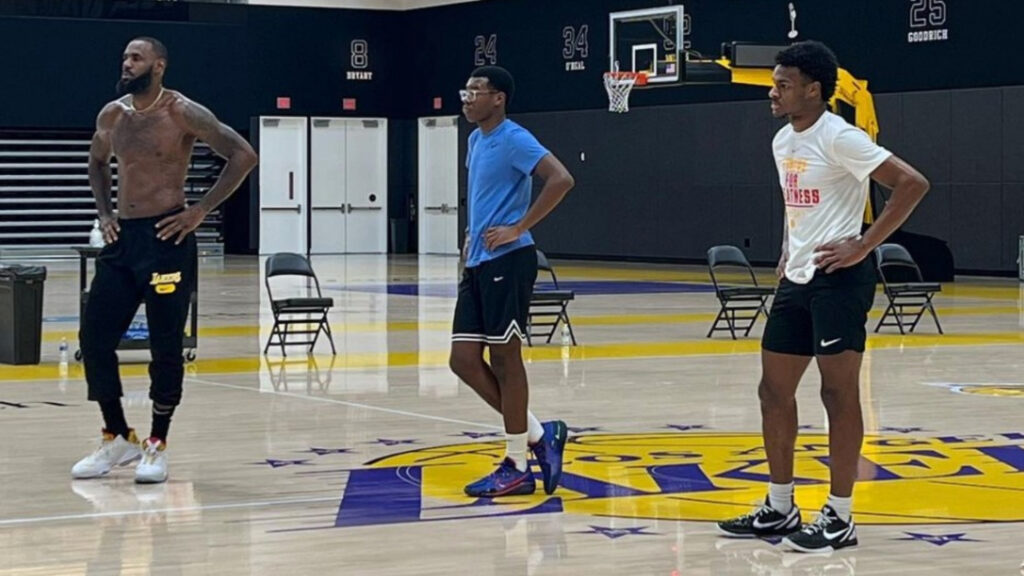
x,y
494,298
825,316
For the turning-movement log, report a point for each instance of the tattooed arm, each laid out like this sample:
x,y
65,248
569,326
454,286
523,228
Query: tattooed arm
x,y
195,119
100,151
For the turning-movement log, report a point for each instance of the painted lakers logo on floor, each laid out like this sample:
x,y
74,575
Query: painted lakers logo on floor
x,y
165,283
702,476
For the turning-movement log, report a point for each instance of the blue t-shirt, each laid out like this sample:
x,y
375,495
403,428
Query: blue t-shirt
x,y
501,168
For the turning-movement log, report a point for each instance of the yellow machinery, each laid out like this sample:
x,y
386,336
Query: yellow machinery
x,y
849,90
852,91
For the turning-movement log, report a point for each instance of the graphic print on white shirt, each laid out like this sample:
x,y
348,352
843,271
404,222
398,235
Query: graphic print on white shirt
x,y
824,172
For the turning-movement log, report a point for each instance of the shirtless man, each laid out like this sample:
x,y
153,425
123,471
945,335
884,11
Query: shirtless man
x,y
150,254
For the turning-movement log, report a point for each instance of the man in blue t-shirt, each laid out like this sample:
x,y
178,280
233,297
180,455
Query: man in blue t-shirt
x,y
496,286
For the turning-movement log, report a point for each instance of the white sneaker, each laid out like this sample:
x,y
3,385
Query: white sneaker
x,y
113,451
153,467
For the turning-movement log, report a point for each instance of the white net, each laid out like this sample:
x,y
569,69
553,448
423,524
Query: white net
x,y
618,85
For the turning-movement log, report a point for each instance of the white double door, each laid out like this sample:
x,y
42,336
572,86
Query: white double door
x,y
438,185
327,176
349,186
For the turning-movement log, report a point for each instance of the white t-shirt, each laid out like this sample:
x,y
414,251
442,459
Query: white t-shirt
x,y
824,172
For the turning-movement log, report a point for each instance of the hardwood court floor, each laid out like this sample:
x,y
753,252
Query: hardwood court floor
x,y
355,464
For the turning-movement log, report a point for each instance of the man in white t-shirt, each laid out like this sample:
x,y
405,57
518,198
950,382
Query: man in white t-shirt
x,y
826,288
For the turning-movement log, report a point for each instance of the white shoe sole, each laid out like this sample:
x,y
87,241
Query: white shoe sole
x,y
825,550
122,463
89,476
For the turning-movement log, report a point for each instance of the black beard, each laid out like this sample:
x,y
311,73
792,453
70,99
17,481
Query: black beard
x,y
136,85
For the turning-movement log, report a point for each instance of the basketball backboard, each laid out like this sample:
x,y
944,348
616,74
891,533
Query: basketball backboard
x,y
649,41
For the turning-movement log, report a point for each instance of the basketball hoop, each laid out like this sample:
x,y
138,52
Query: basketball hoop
x,y
618,85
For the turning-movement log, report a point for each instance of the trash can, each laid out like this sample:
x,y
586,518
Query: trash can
x,y
1020,258
21,313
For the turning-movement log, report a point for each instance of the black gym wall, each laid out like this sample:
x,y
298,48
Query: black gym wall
x,y
689,167
61,60
235,59
668,182
870,38
697,153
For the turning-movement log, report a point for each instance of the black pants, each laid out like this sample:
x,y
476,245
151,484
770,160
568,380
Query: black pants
x,y
138,268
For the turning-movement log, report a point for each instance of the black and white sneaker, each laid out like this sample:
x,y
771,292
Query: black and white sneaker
x,y
763,522
827,534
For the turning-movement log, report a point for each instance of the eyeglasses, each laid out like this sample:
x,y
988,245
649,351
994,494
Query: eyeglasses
x,y
468,96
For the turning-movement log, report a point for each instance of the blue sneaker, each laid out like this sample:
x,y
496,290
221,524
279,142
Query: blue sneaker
x,y
505,481
549,453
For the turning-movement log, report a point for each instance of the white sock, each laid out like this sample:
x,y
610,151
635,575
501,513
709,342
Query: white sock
x,y
841,506
535,430
515,448
780,497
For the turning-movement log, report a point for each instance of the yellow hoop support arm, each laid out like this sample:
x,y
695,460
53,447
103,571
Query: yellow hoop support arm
x,y
851,90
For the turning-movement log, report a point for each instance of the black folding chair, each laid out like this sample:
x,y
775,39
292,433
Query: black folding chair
x,y
548,308
298,312
740,305
908,294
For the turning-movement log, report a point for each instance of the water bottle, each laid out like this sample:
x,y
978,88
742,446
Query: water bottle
x,y
96,235
565,334
63,356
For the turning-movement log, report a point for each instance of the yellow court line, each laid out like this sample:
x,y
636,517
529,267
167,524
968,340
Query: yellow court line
x,y
621,319
227,331
439,358
962,289
570,271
